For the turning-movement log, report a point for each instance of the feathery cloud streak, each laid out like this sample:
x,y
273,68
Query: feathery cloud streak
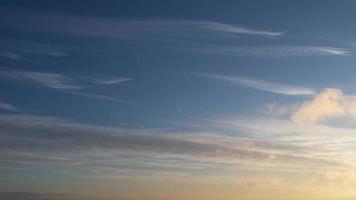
x,y
267,86
60,82
51,80
50,140
278,51
179,33
8,107
129,28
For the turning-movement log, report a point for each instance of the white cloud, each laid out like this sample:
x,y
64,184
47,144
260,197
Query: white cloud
x,y
279,51
8,107
66,84
333,51
318,141
100,96
268,86
278,109
328,104
238,30
51,80
131,29
51,140
111,81
10,55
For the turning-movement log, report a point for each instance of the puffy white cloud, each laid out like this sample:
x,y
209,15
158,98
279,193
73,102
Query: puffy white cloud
x,y
328,104
278,109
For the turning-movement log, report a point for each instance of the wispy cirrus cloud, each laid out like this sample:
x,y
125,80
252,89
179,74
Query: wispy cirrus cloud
x,y
100,97
278,51
130,29
29,51
10,55
38,196
111,81
51,80
63,83
59,81
193,35
54,141
267,86
227,28
317,140
8,107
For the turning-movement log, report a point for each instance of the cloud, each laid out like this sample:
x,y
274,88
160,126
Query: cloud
x,y
279,51
29,51
59,81
277,88
63,83
8,107
38,196
316,141
100,96
328,104
56,143
10,55
278,109
111,81
238,30
35,48
149,30
51,80
192,35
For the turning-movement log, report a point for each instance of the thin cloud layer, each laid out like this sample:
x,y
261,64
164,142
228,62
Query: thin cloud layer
x,y
30,51
132,29
279,51
47,141
111,81
51,80
10,55
38,196
318,141
267,86
8,107
60,82
238,30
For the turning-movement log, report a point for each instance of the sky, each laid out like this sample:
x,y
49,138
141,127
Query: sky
x,y
179,100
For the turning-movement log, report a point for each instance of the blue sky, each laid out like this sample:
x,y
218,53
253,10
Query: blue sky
x,y
125,96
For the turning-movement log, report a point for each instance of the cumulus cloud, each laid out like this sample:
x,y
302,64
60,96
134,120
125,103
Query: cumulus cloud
x,y
278,88
328,104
